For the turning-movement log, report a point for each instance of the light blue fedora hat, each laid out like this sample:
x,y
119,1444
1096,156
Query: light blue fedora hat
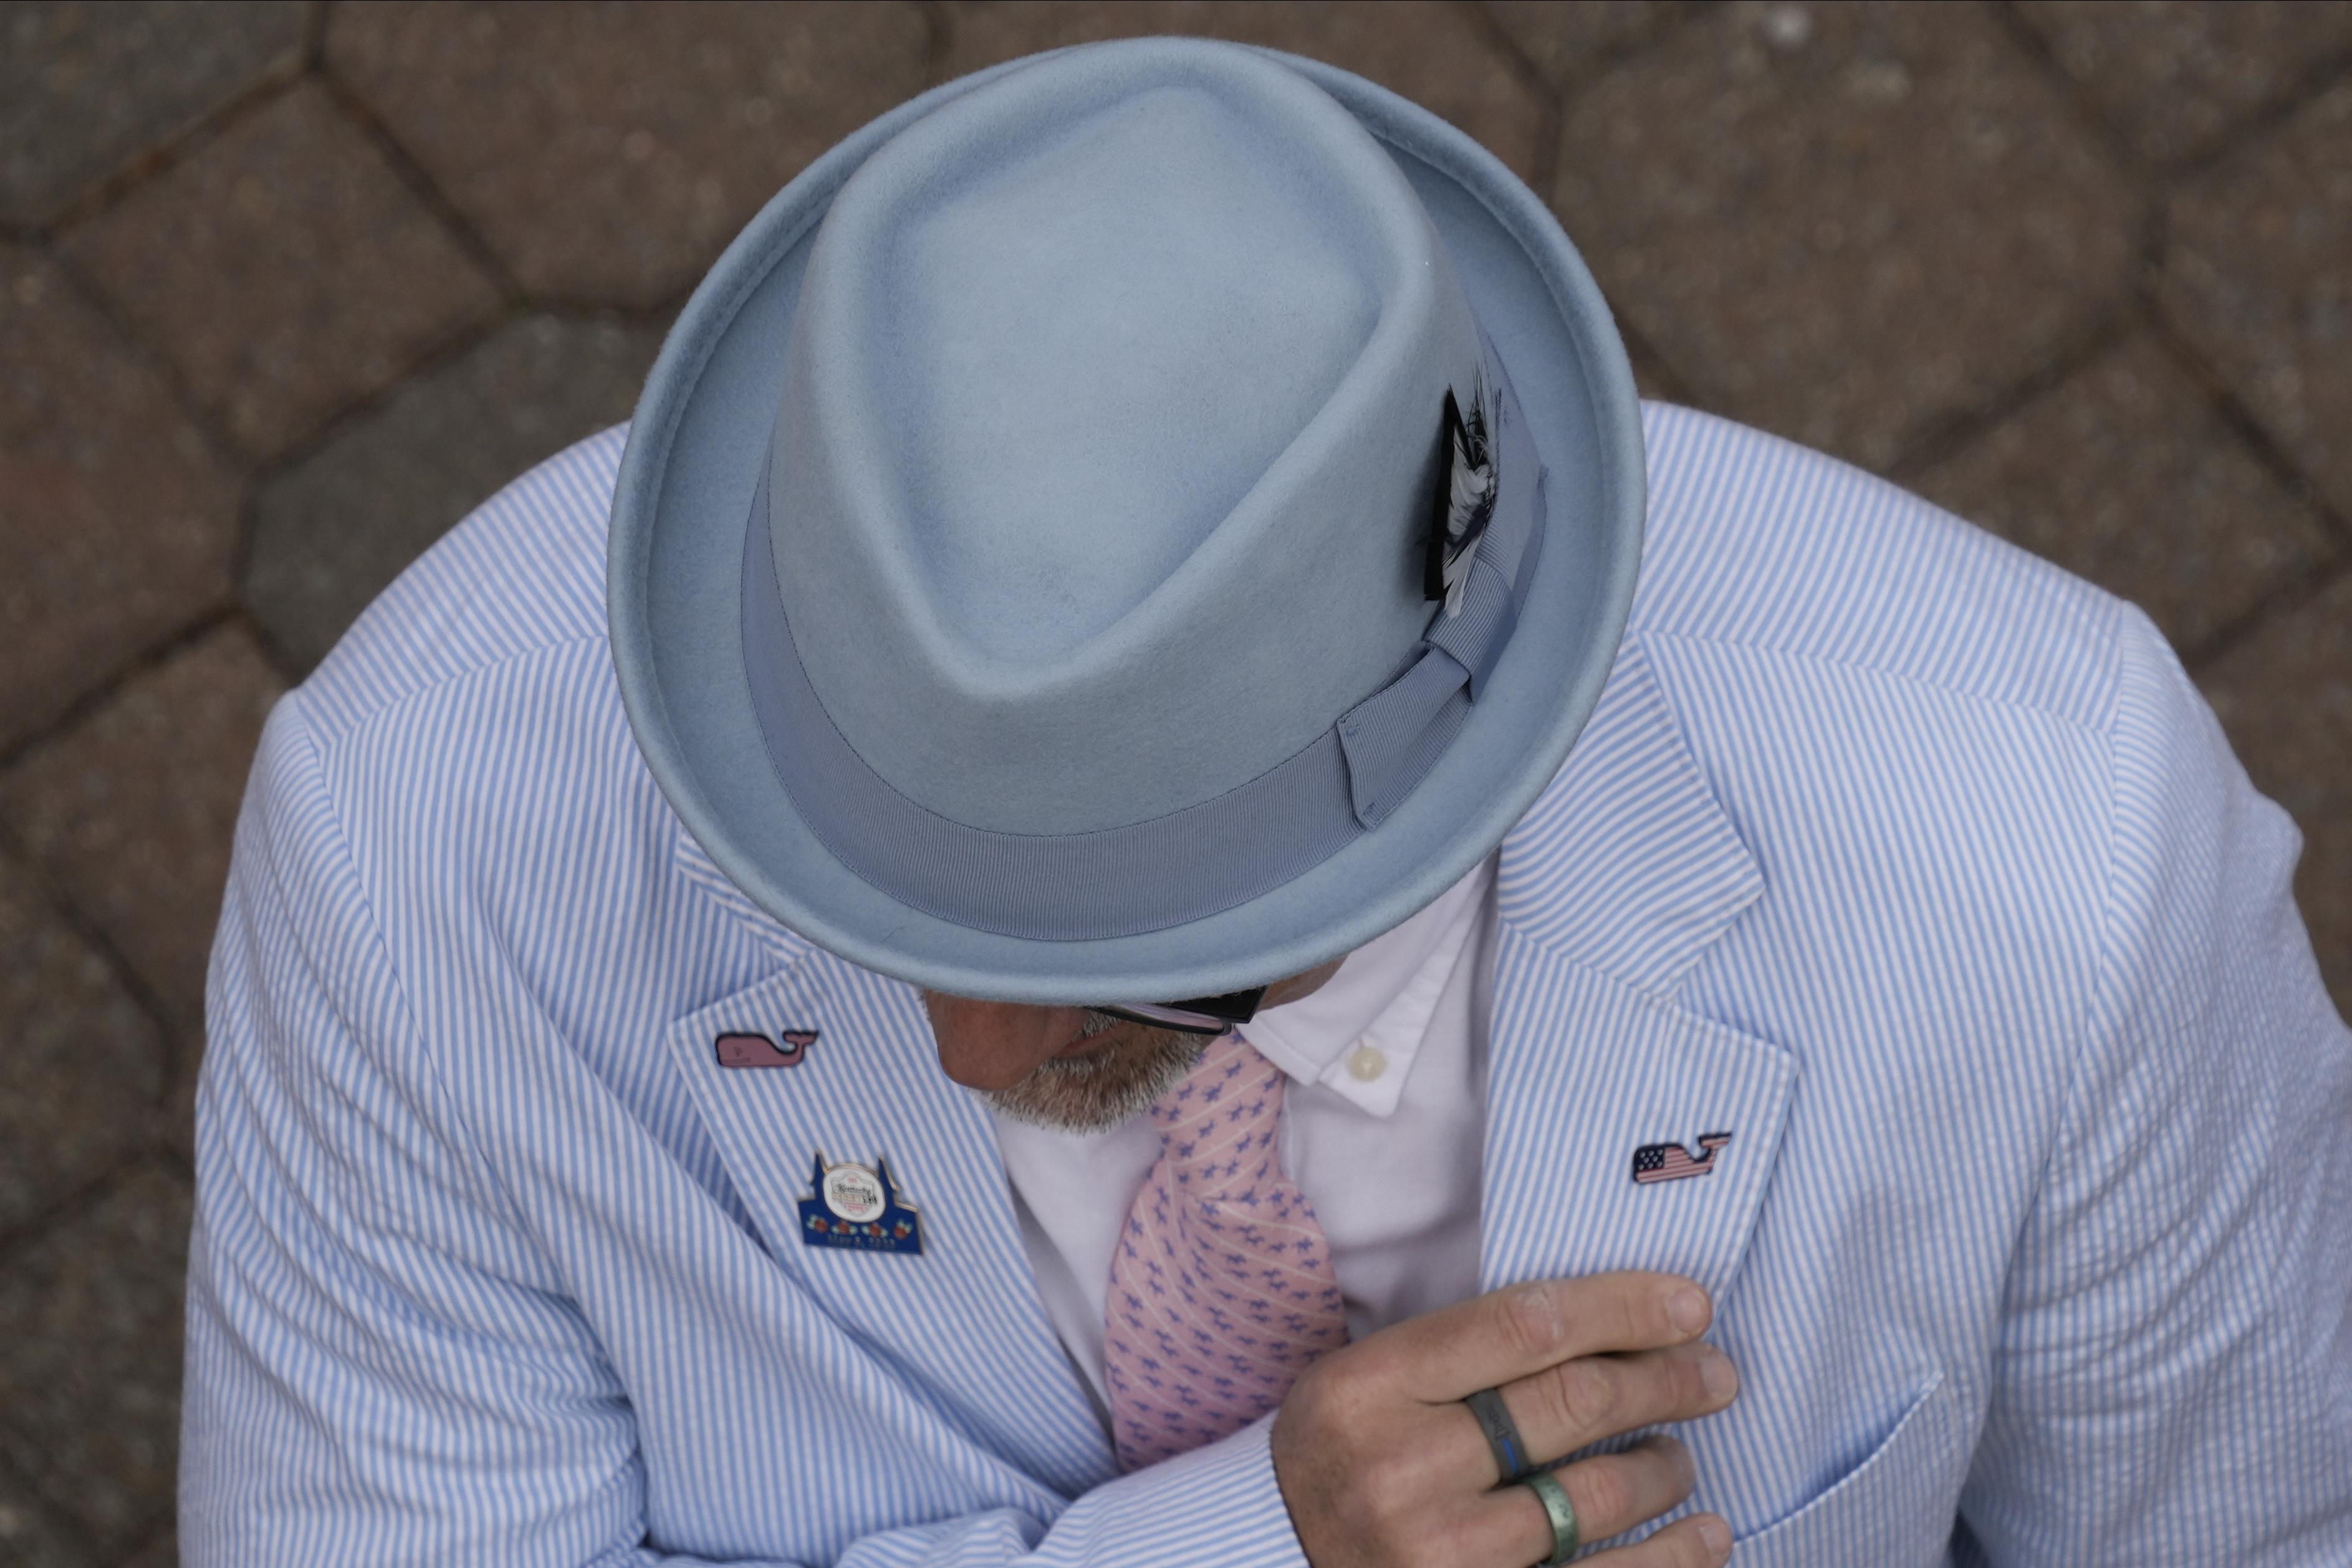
x,y
1133,523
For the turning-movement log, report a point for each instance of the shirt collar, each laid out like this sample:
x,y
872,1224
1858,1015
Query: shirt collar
x,y
1381,1000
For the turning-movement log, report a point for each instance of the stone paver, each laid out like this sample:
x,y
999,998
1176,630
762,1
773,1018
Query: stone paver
x,y
284,269
79,1054
1844,223
117,523
330,531
31,1534
2259,277
85,88
2124,473
2176,77
177,1120
1565,41
162,1551
131,811
1653,380
89,1357
608,151
2285,698
1437,54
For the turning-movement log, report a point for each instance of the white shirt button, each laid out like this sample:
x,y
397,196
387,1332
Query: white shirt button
x,y
1367,1063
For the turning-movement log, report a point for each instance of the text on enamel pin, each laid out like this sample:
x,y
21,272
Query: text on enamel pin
x,y
858,1207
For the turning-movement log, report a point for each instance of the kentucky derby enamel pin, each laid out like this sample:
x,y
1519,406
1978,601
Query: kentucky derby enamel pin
x,y
858,1207
743,1048
1466,488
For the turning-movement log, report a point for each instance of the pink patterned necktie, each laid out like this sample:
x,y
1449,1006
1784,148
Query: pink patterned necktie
x,y
1222,1290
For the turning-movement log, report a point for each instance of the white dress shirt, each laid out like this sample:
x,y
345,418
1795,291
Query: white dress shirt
x,y
1382,1123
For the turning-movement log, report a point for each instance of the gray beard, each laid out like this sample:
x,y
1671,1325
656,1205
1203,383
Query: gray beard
x,y
1091,1094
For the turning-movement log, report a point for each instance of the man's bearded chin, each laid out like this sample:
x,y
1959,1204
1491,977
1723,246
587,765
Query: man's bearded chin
x,y
1098,1089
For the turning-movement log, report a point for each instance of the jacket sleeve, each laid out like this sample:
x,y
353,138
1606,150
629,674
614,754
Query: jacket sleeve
x,y
383,1367
2172,1380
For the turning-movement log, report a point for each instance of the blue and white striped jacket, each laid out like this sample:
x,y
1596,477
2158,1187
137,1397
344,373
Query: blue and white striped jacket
x,y
1911,861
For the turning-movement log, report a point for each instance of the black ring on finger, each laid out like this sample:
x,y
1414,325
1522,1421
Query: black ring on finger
x,y
1502,1433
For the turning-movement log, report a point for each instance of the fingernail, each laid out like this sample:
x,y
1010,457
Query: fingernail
x,y
1688,1310
1715,1370
1716,1535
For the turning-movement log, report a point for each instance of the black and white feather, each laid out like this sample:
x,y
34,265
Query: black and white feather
x,y
1464,504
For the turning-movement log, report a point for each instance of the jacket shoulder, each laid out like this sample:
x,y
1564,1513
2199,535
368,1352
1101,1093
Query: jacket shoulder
x,y
1758,541
523,574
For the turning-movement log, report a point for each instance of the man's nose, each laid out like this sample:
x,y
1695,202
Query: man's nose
x,y
994,1045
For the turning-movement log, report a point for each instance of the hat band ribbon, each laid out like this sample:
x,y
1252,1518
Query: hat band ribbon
x,y
1188,864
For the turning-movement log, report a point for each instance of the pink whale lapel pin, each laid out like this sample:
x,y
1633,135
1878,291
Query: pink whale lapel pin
x,y
748,1050
1672,1162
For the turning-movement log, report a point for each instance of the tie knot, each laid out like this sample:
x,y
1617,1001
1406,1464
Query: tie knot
x,y
1223,1116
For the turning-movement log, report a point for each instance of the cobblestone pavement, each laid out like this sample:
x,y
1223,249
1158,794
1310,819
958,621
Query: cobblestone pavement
x,y
285,290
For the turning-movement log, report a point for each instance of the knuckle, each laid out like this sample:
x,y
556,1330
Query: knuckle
x,y
1418,1539
1308,1396
1381,1513
1661,1387
1333,1410
1607,1503
1529,1321
1589,1394
1549,1396
1388,1479
1644,1318
1636,1314
1685,1382
1680,1465
1633,1302
1352,1433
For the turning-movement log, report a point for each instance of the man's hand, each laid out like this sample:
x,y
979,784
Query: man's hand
x,y
1383,1466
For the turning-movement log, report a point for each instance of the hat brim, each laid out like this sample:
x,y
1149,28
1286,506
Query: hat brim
x,y
675,562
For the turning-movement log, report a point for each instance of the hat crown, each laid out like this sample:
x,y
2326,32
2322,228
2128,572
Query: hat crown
x,y
1107,436
1086,360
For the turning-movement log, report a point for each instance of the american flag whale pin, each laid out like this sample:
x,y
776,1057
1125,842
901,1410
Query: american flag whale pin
x,y
744,1048
1672,1162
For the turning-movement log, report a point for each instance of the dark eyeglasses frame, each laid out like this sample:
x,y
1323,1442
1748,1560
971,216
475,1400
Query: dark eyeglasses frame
x,y
1201,1015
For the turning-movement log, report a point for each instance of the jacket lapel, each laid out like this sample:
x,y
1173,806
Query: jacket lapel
x,y
963,1319
1609,893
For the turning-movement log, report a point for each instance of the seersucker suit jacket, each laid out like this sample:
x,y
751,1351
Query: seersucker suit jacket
x,y
1908,860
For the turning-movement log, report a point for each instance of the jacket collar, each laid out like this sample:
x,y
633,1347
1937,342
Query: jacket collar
x,y
1610,891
